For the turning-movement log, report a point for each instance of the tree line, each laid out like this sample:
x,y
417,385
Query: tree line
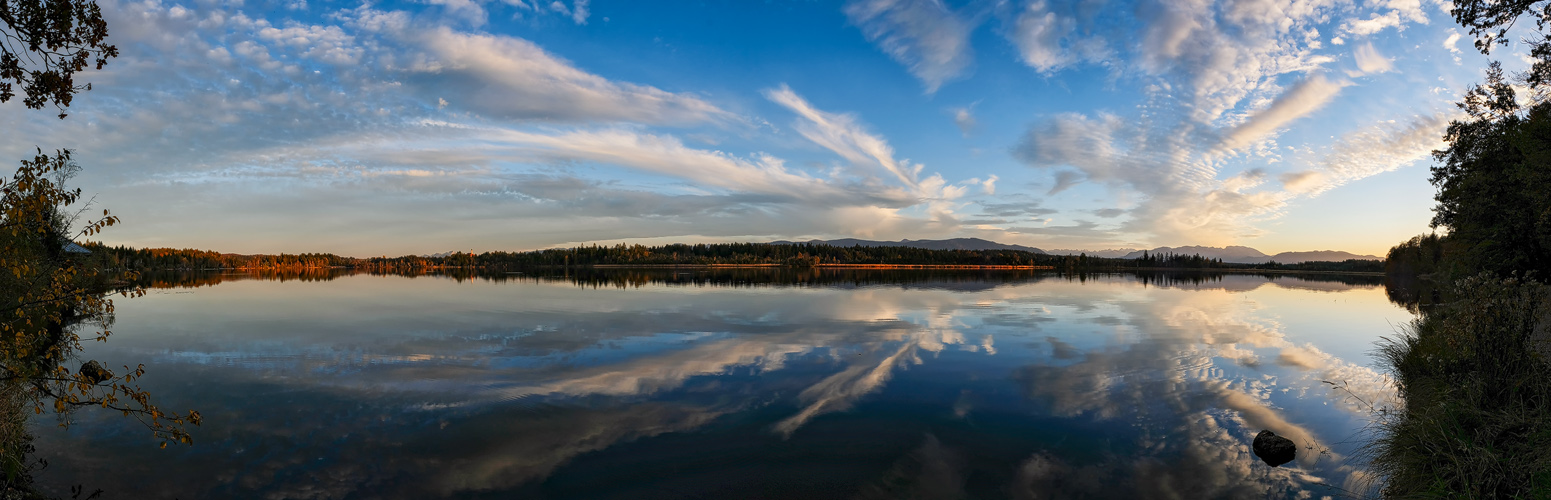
x,y
787,255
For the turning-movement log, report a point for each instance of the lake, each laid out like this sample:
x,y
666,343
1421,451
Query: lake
x,y
739,384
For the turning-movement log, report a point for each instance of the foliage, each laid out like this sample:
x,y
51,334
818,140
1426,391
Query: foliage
x,y
1416,272
1176,260
48,293
121,257
44,43
1345,266
1494,181
1419,256
1477,418
1490,20
1473,368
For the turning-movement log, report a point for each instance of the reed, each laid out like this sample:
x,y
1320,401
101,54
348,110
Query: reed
x,y
1477,387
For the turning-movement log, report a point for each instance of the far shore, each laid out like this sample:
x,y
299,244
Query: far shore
x,y
824,266
1218,270
971,267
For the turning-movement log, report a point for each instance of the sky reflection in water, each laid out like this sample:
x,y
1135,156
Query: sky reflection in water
x,y
395,387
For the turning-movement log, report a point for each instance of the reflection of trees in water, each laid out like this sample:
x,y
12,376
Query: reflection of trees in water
x,y
951,279
1414,293
1198,279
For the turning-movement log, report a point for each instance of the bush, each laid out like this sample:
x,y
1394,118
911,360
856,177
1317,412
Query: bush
x,y
1477,386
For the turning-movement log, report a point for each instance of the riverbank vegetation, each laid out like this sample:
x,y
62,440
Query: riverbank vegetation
x,y
52,295
1474,377
1474,369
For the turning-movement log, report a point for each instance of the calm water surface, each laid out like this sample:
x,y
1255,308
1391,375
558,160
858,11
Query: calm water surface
x,y
729,385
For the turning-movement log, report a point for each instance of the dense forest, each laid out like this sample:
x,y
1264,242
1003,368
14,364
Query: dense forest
x,y
797,255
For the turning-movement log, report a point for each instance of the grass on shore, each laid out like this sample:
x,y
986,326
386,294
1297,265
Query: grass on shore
x,y
1476,379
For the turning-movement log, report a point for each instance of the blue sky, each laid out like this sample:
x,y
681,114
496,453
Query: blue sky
x,y
417,127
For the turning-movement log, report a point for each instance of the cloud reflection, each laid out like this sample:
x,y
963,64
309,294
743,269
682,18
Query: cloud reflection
x,y
448,388
1172,381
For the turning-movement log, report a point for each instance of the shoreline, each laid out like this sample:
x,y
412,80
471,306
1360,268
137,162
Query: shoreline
x,y
1250,271
816,266
966,267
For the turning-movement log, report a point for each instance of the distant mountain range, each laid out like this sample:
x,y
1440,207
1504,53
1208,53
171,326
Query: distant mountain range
x,y
952,244
1321,256
1234,254
1238,254
1247,255
1110,253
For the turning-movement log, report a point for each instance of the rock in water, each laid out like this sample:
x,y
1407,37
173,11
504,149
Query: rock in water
x,y
94,372
1275,450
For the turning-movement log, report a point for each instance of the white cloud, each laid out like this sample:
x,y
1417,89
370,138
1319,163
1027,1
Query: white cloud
x,y
282,99
653,186
1375,24
1304,181
1171,170
1038,33
1303,98
842,134
845,136
328,44
1164,40
1175,171
1391,14
924,35
578,11
246,84
513,78
666,155
1369,60
1093,145
1225,61
1372,151
1450,42
1222,60
964,119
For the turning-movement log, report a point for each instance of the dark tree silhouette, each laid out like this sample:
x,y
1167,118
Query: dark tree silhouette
x,y
1490,20
44,43
1494,181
